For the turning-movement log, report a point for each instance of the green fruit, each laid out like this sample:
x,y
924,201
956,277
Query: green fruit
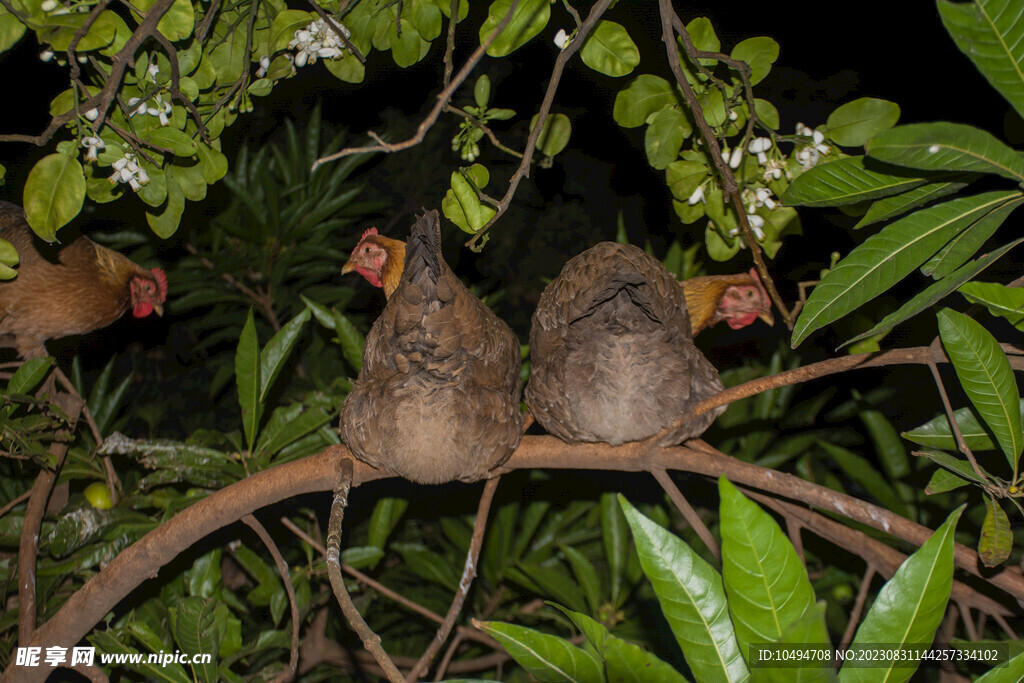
x,y
98,496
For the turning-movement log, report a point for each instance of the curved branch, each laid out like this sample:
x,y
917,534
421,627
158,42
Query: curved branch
x,y
286,577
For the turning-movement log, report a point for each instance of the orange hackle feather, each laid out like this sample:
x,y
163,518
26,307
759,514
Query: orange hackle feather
x,y
704,294
391,273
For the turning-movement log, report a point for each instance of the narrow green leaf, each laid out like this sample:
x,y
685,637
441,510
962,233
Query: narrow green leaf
x,y
945,146
198,629
910,606
609,50
586,577
888,208
935,293
809,631
594,631
29,375
615,535
287,425
848,181
247,377
1007,672
887,257
386,514
277,350
543,656
956,465
351,339
692,598
943,481
988,32
964,245
996,540
764,578
1006,302
886,440
630,663
986,377
852,124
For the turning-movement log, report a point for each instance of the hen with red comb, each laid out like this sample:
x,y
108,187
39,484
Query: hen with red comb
x,y
69,289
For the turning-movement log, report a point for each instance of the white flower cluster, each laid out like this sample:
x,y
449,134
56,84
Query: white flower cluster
x,y
809,154
316,41
126,170
158,108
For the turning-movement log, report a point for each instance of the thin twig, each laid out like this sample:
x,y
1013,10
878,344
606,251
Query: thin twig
x,y
204,26
442,99
174,85
286,577
961,442
689,513
371,641
670,23
14,503
447,658
542,114
113,482
965,614
449,50
858,605
468,572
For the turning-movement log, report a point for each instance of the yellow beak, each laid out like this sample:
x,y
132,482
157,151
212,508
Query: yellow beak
x,y
159,308
349,267
767,317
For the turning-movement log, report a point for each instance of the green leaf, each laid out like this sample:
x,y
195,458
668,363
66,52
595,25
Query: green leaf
x,y
165,224
177,23
586,577
630,663
287,425
482,91
988,32
285,24
609,50
986,377
861,471
173,139
173,672
198,629
11,30
943,481
957,466
910,606
852,124
54,194
461,204
1006,302
809,631
645,96
760,53
204,576
29,375
594,631
554,135
277,350
529,19
764,578
847,181
615,536
996,540
964,245
348,69
351,340
887,257
945,146
692,599
891,207
543,656
935,293
664,137
247,377
405,48
386,514
1007,672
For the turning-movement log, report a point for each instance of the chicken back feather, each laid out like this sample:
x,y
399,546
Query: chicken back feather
x,y
437,398
612,353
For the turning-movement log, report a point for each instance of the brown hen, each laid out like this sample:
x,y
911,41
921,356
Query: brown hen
x,y
612,350
437,398
71,289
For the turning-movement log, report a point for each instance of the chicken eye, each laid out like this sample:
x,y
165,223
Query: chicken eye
x,y
750,294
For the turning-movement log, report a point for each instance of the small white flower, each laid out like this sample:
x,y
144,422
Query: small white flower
x,y
82,59
931,150
92,114
93,145
46,55
733,115
153,70
48,5
759,146
697,196
264,65
300,58
736,158
808,157
561,39
763,197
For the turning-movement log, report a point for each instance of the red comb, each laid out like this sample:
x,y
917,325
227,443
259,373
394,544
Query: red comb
x,y
161,282
370,231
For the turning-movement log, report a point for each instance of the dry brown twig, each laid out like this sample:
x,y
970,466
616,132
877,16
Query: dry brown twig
x,y
286,578
691,515
468,572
